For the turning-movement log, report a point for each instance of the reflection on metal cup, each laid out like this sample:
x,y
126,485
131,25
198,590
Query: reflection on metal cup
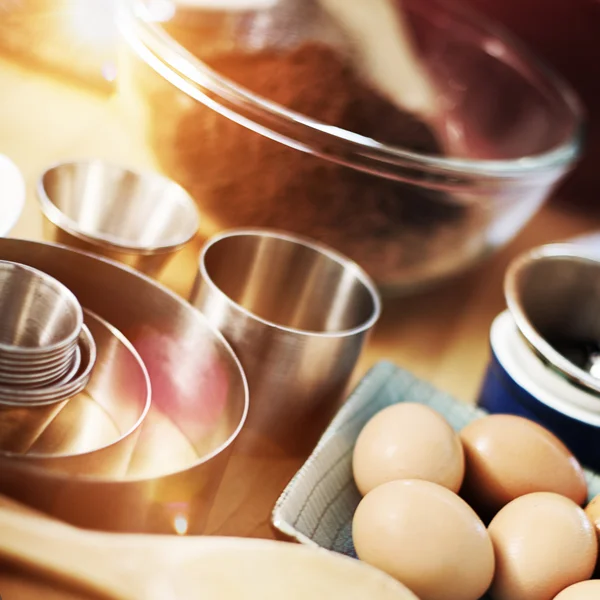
x,y
39,330
26,412
22,423
119,386
41,317
297,315
544,348
553,294
199,396
139,219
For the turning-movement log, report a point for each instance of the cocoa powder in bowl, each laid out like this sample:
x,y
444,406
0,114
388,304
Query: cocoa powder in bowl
x,y
402,234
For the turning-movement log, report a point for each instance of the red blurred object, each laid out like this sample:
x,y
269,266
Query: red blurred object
x,y
566,34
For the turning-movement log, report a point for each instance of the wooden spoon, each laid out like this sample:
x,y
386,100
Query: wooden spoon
x,y
151,567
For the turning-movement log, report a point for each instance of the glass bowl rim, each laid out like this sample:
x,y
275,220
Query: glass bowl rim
x,y
188,73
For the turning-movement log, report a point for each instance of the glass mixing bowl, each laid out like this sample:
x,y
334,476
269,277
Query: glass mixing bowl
x,y
411,135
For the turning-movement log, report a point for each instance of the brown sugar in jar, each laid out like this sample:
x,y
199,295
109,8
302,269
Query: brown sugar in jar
x,y
400,233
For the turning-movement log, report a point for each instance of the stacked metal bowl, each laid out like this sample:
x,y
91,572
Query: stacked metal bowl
x,y
145,446
46,352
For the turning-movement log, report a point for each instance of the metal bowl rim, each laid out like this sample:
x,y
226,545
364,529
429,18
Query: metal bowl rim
x,y
64,390
17,359
66,371
21,372
106,241
63,289
533,338
34,471
318,247
147,402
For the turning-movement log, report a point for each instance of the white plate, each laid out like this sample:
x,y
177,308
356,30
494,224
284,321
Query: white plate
x,y
12,195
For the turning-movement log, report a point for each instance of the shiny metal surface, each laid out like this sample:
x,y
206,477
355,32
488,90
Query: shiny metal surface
x,y
34,379
26,411
31,365
297,315
71,384
140,219
199,404
553,293
31,373
120,385
21,424
40,316
39,330
28,364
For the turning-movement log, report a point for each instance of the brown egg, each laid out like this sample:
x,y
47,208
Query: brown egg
x,y
408,441
585,590
508,456
592,510
426,537
543,543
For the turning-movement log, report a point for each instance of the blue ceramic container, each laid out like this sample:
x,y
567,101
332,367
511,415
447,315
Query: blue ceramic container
x,y
518,382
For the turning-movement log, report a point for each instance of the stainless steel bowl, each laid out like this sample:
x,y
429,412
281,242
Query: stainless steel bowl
x,y
39,330
297,314
72,382
26,411
34,378
41,323
32,365
73,443
199,404
29,403
140,219
553,294
21,424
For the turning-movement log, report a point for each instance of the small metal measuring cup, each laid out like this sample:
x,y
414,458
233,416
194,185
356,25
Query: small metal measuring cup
x,y
553,294
25,412
78,441
297,314
39,329
140,219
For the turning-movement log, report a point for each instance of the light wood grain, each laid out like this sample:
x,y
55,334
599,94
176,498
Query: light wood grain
x,y
441,335
153,567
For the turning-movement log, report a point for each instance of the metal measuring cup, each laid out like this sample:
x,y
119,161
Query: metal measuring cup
x,y
141,219
297,314
553,294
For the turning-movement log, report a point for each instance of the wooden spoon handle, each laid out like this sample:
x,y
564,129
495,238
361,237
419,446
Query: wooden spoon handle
x,y
62,553
153,567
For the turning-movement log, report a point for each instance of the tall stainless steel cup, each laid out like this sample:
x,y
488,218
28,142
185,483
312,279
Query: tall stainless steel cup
x,y
297,314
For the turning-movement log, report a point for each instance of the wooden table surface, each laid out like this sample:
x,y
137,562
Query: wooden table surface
x,y
441,335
